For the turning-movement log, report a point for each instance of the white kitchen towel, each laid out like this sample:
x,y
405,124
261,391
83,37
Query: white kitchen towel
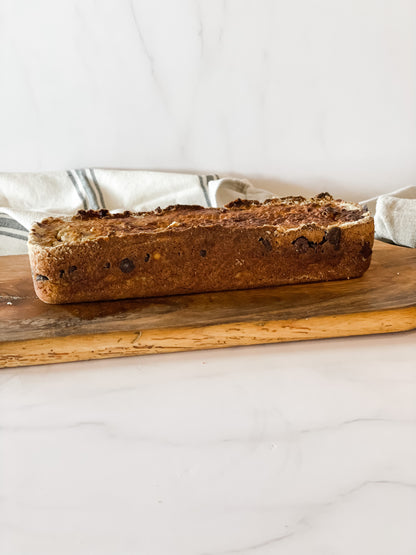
x,y
29,197
395,216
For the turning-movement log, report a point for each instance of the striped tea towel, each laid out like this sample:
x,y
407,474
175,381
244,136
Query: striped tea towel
x,y
29,197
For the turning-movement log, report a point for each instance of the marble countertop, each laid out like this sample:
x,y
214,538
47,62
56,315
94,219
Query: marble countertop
x,y
292,448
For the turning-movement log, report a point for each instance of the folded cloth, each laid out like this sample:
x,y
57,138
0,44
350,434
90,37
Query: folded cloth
x,y
395,216
29,197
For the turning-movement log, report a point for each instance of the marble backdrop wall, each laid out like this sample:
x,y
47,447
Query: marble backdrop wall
x,y
298,95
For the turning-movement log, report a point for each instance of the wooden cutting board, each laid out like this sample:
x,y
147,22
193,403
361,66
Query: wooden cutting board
x,y
31,332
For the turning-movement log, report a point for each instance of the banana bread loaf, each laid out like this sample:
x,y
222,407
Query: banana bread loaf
x,y
96,255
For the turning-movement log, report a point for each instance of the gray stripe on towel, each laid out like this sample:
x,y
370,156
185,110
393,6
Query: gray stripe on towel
x,y
14,235
78,190
6,221
97,187
201,182
92,197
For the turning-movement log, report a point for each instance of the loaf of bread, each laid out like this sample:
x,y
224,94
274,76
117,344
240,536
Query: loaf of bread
x,y
96,255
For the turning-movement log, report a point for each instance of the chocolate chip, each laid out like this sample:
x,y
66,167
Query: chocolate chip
x,y
147,257
330,212
98,214
333,236
266,244
301,245
61,273
351,215
241,204
107,265
203,253
324,196
39,277
72,269
127,265
181,206
366,250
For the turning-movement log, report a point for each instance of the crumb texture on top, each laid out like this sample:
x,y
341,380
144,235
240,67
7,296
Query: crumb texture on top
x,y
287,212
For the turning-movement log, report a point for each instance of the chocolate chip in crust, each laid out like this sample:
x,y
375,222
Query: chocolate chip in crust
x,y
266,244
127,265
333,236
301,245
203,253
366,250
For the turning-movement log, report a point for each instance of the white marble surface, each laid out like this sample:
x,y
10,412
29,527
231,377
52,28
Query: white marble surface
x,y
301,96
292,448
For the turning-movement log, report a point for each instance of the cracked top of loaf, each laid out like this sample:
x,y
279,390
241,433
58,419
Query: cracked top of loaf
x,y
284,213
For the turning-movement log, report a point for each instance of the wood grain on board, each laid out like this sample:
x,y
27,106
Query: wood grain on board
x,y
32,332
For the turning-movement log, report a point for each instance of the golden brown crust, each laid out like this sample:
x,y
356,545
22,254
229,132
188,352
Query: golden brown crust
x,y
96,255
